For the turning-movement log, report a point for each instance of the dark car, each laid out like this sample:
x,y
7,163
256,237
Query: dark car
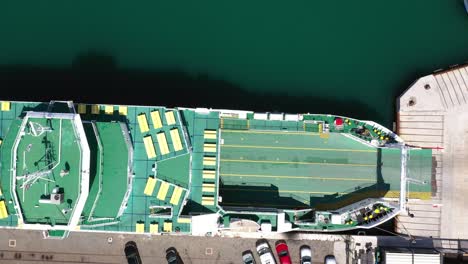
x,y
131,253
172,256
248,257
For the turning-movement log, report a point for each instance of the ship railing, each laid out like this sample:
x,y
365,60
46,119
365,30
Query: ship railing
x,y
380,220
99,223
186,137
101,158
249,210
403,177
128,141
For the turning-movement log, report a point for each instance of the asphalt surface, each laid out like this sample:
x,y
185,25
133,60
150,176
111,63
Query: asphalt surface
x,y
85,247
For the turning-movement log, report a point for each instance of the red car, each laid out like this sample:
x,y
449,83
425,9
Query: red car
x,y
283,252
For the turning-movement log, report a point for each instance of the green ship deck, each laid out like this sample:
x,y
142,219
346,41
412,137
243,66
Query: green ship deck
x,y
33,153
153,169
292,169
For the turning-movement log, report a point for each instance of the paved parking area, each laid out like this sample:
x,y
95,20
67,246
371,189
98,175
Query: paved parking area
x,y
86,247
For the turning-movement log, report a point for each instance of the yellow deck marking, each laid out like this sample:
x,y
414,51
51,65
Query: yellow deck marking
x,y
95,109
175,136
167,227
210,134
149,147
143,123
81,109
298,162
162,142
123,110
163,190
3,210
208,200
170,119
139,227
156,118
298,148
5,105
412,195
150,184
154,228
292,177
283,191
184,220
176,195
109,109
271,132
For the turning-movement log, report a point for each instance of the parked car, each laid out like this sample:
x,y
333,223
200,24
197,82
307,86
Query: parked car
x,y
248,257
306,254
283,252
330,259
131,253
172,256
264,251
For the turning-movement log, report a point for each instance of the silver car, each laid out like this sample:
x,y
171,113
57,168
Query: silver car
x,y
264,251
330,259
306,255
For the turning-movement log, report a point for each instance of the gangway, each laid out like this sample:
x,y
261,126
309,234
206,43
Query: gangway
x,y
405,180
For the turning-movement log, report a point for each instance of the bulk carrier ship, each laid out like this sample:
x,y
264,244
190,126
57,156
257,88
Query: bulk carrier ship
x,y
69,167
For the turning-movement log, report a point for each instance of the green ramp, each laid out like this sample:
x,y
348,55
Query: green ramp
x,y
114,170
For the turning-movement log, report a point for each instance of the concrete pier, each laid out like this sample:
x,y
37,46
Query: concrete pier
x,y
433,113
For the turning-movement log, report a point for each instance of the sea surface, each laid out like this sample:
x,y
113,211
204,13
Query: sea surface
x,y
345,57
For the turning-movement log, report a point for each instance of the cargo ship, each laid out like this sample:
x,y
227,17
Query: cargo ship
x,y
74,167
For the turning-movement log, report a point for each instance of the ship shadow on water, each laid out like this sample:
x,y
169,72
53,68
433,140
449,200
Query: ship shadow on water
x,y
95,77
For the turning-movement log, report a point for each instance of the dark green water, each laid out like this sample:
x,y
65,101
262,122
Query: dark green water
x,y
332,55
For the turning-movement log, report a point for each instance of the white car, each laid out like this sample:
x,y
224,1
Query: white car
x,y
330,259
306,255
264,251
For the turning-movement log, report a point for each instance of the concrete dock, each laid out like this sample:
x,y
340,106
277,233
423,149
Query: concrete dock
x,y
28,246
433,113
